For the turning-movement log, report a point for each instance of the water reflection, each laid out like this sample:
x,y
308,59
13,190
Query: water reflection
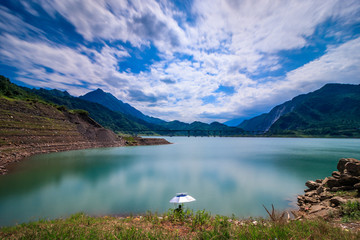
x,y
225,175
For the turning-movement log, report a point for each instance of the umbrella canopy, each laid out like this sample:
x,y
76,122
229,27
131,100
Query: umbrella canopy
x,y
182,198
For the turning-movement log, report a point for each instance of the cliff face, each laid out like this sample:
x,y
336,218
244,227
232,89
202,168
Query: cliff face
x,y
31,127
266,120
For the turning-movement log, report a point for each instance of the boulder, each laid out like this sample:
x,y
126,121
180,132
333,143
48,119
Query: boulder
x,y
357,186
342,188
325,195
311,199
311,193
348,180
324,182
316,208
332,182
353,168
337,200
312,185
320,189
318,180
342,162
324,213
336,174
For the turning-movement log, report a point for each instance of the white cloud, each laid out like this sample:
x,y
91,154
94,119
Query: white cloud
x,y
53,66
137,22
339,65
229,41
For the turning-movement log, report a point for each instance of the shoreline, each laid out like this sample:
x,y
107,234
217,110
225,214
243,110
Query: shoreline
x,y
15,153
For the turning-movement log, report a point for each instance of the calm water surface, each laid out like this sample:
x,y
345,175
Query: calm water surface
x,y
226,175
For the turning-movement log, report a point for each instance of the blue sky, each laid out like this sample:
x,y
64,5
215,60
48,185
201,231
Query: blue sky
x,y
204,60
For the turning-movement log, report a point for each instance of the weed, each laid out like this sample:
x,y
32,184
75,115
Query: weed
x,y
200,219
350,211
173,226
275,216
346,193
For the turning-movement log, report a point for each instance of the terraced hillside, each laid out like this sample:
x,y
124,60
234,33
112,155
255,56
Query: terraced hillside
x,y
30,127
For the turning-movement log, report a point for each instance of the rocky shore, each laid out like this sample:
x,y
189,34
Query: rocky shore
x,y
324,197
30,127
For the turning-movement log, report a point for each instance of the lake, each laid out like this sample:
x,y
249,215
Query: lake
x,y
226,175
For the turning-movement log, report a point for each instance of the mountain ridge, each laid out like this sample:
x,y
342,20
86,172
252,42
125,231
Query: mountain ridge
x,y
111,102
334,109
116,105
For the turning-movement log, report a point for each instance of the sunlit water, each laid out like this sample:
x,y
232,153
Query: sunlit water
x,y
226,175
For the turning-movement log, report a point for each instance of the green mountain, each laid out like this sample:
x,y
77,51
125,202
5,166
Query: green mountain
x,y
116,105
158,125
333,110
263,122
115,121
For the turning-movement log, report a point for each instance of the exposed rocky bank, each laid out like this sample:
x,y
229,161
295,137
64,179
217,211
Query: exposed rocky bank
x,y
31,127
324,197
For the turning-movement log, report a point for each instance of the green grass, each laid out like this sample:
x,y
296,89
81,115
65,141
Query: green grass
x,y
350,211
347,193
174,225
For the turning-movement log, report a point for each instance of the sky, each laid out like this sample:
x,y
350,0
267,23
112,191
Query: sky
x,y
189,60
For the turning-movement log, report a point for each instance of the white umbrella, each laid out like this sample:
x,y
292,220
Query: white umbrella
x,y
182,198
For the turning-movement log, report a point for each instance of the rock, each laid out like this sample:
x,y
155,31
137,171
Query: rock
x,y
312,185
357,186
318,180
336,174
332,182
310,193
324,182
326,202
311,199
348,180
316,208
325,195
342,188
342,162
337,200
353,167
320,189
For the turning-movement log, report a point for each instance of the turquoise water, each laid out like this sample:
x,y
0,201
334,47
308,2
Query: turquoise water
x,y
226,175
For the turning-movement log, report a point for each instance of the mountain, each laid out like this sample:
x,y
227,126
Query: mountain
x,y
333,110
116,105
29,125
113,120
263,122
202,129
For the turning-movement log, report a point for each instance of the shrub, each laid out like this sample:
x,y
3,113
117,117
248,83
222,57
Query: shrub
x,y
350,211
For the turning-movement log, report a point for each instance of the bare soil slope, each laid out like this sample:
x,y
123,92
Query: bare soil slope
x,y
32,127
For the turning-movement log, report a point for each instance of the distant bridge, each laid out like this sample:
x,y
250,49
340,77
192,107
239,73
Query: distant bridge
x,y
195,132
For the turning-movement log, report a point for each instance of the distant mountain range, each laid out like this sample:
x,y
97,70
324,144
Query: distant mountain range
x,y
118,116
176,127
333,110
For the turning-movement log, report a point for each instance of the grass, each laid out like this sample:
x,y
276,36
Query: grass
x,y
174,225
353,193
350,211
129,139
